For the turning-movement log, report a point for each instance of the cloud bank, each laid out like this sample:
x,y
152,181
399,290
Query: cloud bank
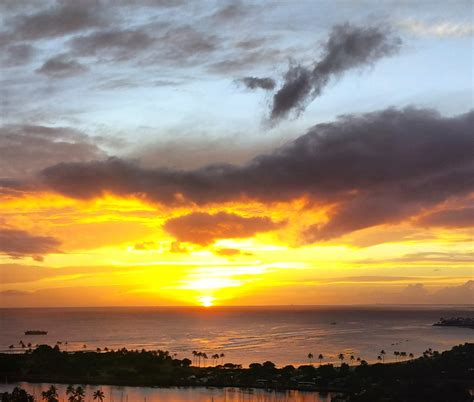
x,y
20,244
376,168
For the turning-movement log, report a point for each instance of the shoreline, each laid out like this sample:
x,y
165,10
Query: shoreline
x,y
432,374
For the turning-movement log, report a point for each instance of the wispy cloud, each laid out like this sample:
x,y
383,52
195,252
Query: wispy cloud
x,y
444,29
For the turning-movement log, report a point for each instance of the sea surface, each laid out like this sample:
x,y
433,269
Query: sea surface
x,y
284,335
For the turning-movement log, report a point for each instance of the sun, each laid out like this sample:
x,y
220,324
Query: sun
x,y
206,301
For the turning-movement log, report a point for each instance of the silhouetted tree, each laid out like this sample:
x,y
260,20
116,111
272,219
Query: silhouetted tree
x,y
99,395
310,358
320,358
341,357
51,394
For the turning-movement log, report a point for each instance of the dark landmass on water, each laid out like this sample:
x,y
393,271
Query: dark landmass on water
x,y
36,332
455,322
446,376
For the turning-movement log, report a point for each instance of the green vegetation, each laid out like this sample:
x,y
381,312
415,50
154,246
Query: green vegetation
x,y
433,377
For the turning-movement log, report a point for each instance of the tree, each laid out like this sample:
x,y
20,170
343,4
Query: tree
x,y
99,395
51,394
341,357
194,353
310,358
382,354
411,356
17,395
396,354
320,358
352,358
80,394
71,393
222,355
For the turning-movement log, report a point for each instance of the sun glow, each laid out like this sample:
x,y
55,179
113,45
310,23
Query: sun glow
x,y
206,301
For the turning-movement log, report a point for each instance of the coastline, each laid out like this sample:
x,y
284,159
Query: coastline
x,y
430,375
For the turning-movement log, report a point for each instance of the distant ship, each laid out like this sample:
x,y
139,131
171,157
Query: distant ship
x,y
36,332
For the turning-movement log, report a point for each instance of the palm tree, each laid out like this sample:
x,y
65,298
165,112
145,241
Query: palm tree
x,y
320,358
341,357
99,395
71,392
199,355
379,358
396,353
51,395
80,394
411,356
194,353
204,356
352,358
382,353
358,359
403,354
310,357
222,355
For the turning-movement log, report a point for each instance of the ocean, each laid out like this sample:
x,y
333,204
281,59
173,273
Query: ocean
x,y
283,335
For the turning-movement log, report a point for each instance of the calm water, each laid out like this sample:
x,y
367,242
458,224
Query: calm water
x,y
189,394
284,335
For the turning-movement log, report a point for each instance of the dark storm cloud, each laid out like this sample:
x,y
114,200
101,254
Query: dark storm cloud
x,y
204,229
26,149
20,244
256,82
347,47
450,218
377,168
61,19
61,66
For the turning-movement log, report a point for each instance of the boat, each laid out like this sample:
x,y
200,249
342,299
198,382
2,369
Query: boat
x,y
36,332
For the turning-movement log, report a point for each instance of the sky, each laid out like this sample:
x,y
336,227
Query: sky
x,y
171,152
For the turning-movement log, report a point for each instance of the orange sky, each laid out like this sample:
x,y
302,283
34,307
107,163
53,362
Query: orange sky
x,y
116,251
165,153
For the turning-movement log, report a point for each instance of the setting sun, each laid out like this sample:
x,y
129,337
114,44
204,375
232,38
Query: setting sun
x,y
206,301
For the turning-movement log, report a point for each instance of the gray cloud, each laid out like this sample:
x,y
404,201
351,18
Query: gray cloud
x,y
19,54
377,168
117,43
61,66
256,82
61,19
347,47
453,218
20,244
204,229
26,149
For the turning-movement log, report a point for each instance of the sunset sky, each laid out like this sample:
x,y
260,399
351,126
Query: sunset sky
x,y
167,152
